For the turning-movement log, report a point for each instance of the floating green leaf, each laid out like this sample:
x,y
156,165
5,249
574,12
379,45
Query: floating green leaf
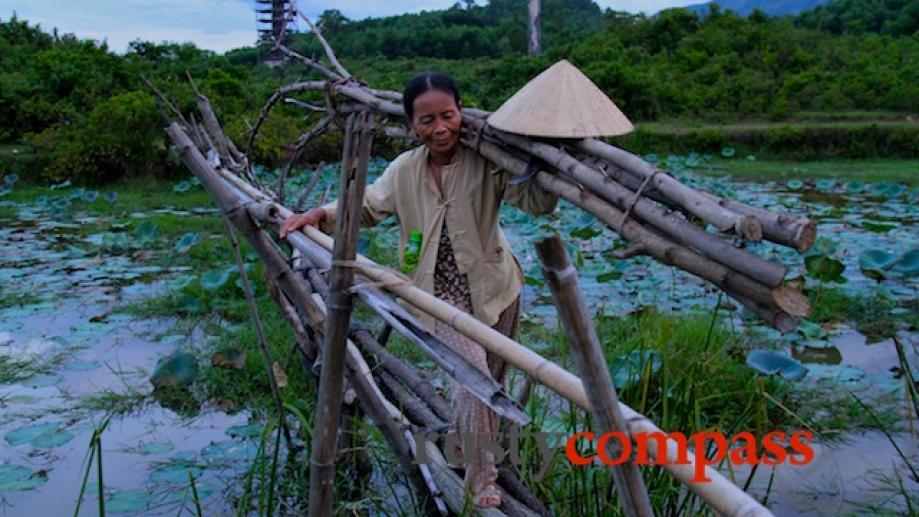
x,y
146,231
128,501
874,263
825,185
111,197
154,448
877,227
245,431
179,368
181,281
189,304
908,264
215,279
90,196
182,186
811,330
45,435
629,369
794,185
824,268
186,241
17,477
771,362
230,452
175,473
855,187
727,152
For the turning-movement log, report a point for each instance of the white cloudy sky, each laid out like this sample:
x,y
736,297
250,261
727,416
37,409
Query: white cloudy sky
x,y
214,24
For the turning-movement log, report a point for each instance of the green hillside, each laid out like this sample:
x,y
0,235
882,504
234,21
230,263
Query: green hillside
x,y
82,111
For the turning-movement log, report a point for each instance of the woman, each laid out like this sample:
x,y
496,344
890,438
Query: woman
x,y
452,195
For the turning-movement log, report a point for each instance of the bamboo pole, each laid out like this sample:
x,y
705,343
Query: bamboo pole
x,y
679,230
259,333
686,198
585,346
358,140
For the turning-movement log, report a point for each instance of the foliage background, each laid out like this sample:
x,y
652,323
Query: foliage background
x,y
86,115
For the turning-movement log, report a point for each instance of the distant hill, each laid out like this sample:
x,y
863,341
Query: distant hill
x,y
770,7
894,17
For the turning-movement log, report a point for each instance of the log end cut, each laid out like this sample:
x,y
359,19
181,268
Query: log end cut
x,y
749,228
791,301
805,235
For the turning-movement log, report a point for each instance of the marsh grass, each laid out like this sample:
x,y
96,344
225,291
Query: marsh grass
x,y
871,314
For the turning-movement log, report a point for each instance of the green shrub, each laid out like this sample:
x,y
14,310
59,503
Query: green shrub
x,y
122,136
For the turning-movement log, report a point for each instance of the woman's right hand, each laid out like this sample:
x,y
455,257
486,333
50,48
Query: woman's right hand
x,y
311,217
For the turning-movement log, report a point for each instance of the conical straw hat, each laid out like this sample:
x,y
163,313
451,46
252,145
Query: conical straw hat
x,y
561,102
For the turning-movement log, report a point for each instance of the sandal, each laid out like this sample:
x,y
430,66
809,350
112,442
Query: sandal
x,y
488,497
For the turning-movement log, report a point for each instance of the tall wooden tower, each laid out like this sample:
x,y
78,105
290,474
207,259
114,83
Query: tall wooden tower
x,y
274,19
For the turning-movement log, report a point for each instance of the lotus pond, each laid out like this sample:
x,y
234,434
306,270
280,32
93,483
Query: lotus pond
x,y
106,294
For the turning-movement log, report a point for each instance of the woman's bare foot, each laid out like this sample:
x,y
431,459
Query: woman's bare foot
x,y
488,497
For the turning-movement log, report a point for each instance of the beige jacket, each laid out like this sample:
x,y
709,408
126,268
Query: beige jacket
x,y
473,191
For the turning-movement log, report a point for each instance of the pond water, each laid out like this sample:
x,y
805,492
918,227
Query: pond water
x,y
62,326
73,347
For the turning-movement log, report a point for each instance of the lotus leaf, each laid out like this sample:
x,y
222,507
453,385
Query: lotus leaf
x,y
908,264
877,227
855,187
146,231
811,330
128,501
751,158
186,241
111,197
215,279
824,268
90,196
181,281
795,185
182,186
189,304
727,152
230,452
629,369
825,185
175,473
154,448
17,477
874,263
179,368
771,362
43,435
245,431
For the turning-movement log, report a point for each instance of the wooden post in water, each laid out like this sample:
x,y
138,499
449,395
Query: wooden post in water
x,y
562,278
358,139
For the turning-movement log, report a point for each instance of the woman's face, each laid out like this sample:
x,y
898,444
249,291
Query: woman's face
x,y
437,120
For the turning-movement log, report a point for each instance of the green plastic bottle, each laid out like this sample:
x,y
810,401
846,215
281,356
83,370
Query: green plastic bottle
x,y
411,252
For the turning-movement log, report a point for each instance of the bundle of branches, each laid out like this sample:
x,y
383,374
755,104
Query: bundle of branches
x,y
646,206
